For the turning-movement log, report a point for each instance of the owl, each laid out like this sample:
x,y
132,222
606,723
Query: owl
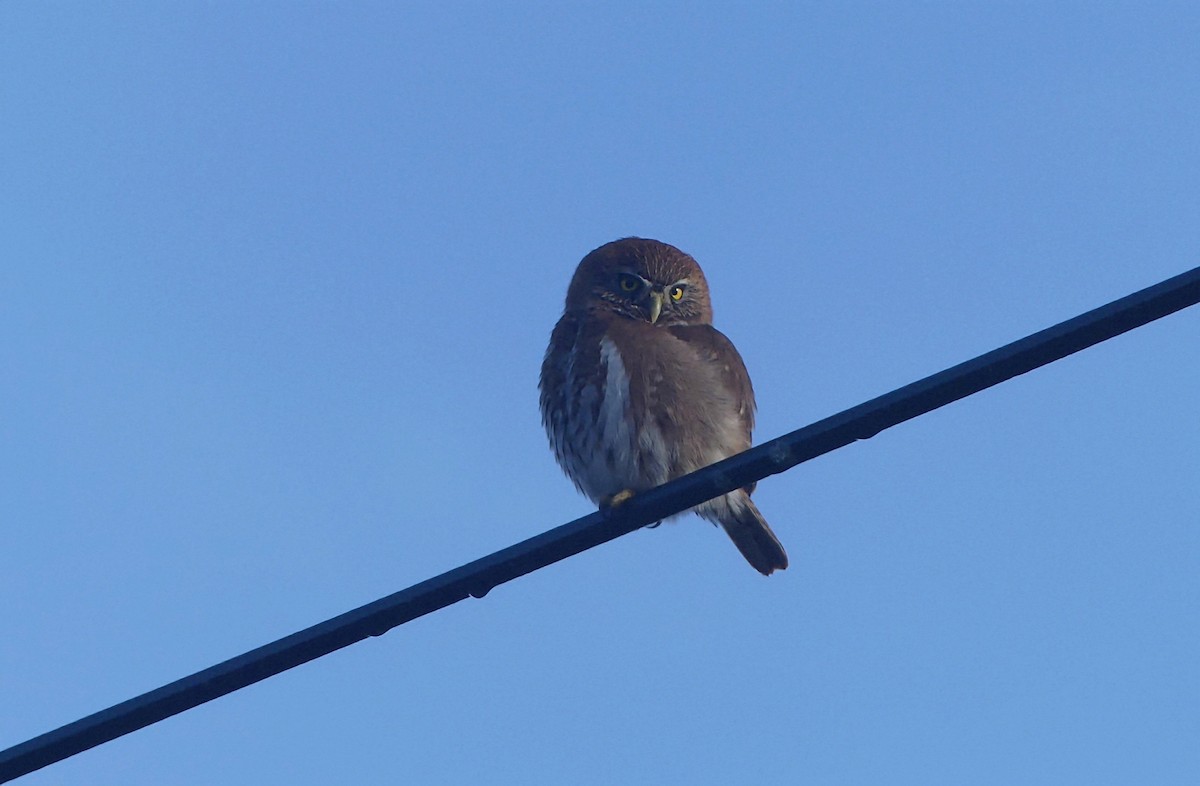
x,y
638,388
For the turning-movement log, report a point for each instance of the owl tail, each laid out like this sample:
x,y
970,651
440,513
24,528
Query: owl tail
x,y
739,517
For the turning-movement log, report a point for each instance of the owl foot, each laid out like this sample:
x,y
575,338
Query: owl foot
x,y
610,504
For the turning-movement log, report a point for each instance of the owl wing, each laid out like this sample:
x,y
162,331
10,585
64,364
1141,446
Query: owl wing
x,y
712,346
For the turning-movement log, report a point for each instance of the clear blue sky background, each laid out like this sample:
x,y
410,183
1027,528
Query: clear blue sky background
x,y
276,283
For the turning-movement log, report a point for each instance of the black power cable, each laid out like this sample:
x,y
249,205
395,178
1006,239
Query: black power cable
x,y
478,577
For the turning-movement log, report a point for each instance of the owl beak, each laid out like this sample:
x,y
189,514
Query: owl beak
x,y
656,304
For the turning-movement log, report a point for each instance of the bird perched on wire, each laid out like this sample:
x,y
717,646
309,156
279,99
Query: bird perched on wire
x,y
638,387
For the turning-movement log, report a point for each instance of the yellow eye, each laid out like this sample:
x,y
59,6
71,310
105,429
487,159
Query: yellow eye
x,y
676,293
629,282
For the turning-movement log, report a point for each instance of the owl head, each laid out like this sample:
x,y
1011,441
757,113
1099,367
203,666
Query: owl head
x,y
641,279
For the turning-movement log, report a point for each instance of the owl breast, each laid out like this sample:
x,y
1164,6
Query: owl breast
x,y
598,440
614,425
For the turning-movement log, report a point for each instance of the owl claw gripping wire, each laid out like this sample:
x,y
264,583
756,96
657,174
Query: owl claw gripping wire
x,y
609,506
638,388
616,500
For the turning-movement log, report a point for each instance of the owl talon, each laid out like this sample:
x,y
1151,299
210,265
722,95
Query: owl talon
x,y
619,498
609,504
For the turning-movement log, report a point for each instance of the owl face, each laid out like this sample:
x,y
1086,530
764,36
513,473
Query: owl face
x,y
642,280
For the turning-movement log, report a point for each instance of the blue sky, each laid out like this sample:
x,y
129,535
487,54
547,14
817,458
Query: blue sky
x,y
277,281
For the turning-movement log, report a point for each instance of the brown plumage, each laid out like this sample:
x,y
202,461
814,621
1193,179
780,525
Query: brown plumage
x,y
639,388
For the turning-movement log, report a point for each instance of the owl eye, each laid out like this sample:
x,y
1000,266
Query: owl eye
x,y
676,293
629,282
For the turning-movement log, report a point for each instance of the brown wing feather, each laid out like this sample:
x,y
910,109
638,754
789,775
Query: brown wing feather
x,y
715,347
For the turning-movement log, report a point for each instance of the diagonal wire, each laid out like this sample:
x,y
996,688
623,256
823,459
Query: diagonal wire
x,y
477,578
